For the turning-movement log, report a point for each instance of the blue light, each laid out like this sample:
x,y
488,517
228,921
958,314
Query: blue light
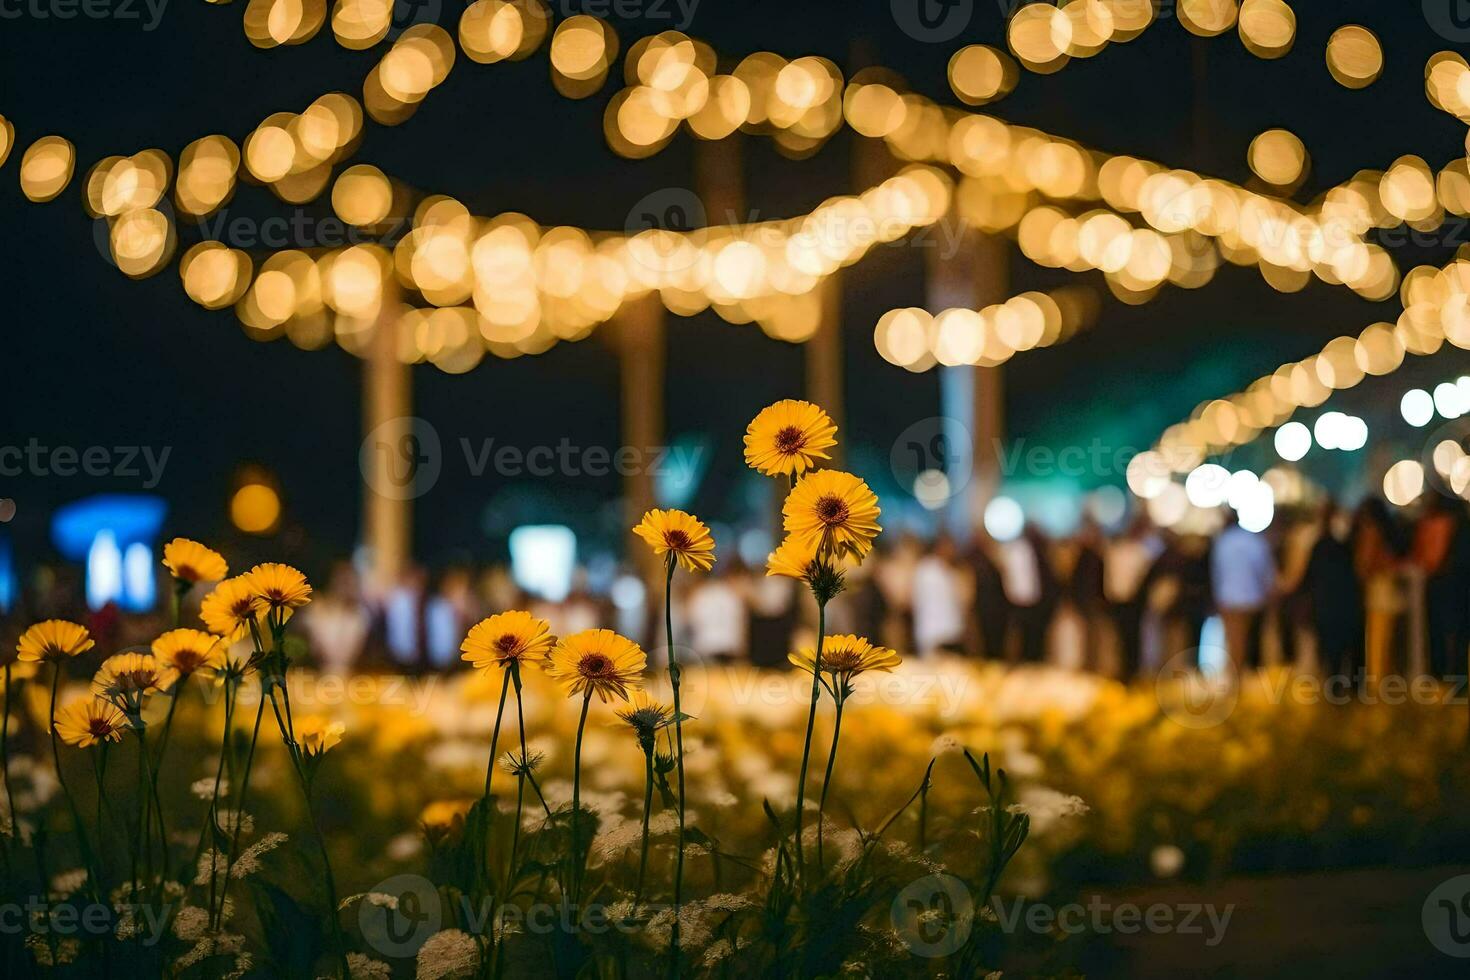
x,y
129,518
140,579
542,559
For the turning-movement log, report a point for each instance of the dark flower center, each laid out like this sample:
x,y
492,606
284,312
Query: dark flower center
x,y
242,608
188,661
99,727
832,510
187,573
137,680
509,643
596,665
677,540
790,439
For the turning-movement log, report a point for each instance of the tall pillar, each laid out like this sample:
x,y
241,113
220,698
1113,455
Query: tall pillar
x,y
640,338
824,378
972,274
719,179
387,448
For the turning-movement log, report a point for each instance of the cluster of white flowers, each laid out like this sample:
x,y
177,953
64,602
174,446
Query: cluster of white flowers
x,y
67,883
361,967
66,950
448,955
1046,807
624,835
249,860
203,789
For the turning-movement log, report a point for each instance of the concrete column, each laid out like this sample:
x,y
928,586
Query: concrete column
x,y
639,332
973,274
387,427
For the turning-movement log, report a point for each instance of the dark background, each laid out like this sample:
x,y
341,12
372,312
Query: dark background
x,y
92,358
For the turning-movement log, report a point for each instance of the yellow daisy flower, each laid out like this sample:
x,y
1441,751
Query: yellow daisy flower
x,y
597,661
834,510
54,640
788,437
316,734
509,636
191,562
230,608
444,818
188,651
126,678
280,588
845,656
673,532
88,721
793,559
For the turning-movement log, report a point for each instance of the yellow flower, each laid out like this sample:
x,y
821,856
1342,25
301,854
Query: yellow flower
x,y
53,640
793,559
316,734
682,535
444,818
788,437
88,721
189,561
509,636
126,678
597,661
190,650
230,608
833,511
846,655
280,588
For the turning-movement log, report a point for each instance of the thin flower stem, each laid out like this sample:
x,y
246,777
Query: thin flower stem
x,y
5,760
495,734
647,806
811,720
212,816
240,807
537,788
678,757
76,815
577,858
827,783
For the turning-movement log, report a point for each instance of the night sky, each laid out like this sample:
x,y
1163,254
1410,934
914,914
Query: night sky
x,y
94,359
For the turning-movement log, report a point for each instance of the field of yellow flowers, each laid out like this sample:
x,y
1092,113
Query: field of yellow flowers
x,y
208,806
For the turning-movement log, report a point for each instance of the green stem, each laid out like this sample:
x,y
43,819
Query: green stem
x,y
577,858
678,758
240,806
647,806
5,758
495,734
811,720
71,803
211,820
827,783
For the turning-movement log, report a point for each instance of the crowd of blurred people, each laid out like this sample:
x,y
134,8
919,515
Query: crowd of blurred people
x,y
1370,592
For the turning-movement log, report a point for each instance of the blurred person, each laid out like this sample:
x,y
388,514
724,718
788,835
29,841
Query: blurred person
x,y
1127,561
1242,579
1030,589
865,606
773,619
337,621
992,610
1334,600
1295,628
716,613
403,620
448,615
1377,552
895,576
1086,591
1177,597
1438,552
939,617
